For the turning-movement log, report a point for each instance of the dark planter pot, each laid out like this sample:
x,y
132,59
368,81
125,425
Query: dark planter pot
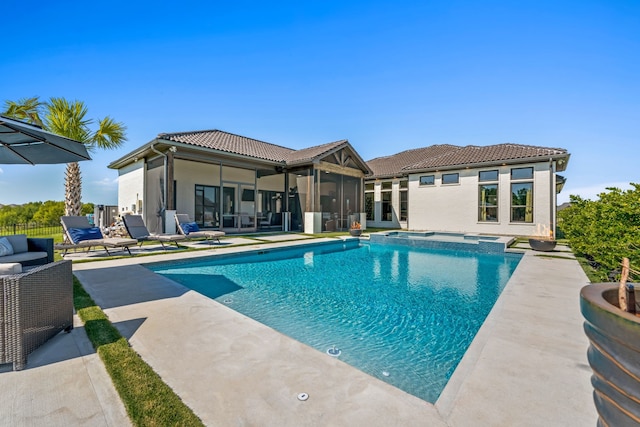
x,y
614,355
355,232
542,245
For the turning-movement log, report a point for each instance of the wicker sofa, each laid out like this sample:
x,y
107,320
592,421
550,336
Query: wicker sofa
x,y
28,251
34,306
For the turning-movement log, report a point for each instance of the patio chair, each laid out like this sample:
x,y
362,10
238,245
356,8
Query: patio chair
x,y
34,306
138,230
80,234
191,230
265,221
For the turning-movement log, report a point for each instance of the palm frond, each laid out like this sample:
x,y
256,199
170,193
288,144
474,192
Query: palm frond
x,y
110,134
28,109
68,119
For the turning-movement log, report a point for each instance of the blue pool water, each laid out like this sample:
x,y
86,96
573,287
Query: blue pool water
x,y
404,315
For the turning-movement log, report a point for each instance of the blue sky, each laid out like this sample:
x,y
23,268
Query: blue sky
x,y
387,76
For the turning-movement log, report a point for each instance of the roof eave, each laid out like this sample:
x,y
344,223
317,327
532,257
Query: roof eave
x,y
146,149
522,160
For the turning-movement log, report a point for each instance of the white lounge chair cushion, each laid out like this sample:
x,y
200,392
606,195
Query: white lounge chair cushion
x,y
7,268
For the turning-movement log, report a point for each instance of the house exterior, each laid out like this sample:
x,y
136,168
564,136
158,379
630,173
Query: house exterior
x,y
505,189
238,184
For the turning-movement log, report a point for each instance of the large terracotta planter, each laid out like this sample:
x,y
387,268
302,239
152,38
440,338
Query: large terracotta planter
x,y
543,245
614,355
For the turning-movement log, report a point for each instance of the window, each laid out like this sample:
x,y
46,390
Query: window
x,y
488,176
450,178
522,195
404,204
207,206
488,196
386,185
369,201
522,173
428,180
387,209
488,207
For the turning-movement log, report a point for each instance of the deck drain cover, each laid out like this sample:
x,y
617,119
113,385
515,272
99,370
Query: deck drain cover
x,y
303,396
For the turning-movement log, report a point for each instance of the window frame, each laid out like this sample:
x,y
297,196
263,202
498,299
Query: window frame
x,y
485,183
456,174
427,184
526,210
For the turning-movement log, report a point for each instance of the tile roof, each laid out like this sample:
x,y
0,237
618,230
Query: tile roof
x,y
230,143
395,164
445,156
308,154
236,144
473,154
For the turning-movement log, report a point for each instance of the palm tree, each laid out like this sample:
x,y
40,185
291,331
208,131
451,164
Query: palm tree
x,y
68,119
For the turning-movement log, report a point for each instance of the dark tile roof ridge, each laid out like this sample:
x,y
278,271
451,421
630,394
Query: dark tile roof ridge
x,y
410,150
163,135
486,154
309,153
516,145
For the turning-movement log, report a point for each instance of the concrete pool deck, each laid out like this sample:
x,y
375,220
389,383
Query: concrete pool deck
x,y
527,365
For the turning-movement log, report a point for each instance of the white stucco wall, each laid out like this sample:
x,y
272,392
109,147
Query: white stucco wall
x,y
454,207
131,187
187,174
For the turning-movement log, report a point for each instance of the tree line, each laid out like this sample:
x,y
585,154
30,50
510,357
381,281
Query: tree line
x,y
43,213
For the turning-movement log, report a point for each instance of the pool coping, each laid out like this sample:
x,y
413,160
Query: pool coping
x,y
460,399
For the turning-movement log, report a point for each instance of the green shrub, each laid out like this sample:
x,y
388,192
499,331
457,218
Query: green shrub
x,y
605,230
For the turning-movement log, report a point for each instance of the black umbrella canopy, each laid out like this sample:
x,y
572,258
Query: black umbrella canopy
x,y
22,143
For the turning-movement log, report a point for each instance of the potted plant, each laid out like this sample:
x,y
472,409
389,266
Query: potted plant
x,y
355,229
614,352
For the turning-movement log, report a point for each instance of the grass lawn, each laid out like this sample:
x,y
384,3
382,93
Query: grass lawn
x,y
147,399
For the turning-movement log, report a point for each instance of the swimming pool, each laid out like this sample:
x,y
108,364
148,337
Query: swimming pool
x,y
404,315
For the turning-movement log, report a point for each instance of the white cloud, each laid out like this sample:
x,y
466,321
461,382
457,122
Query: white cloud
x,y
106,182
590,192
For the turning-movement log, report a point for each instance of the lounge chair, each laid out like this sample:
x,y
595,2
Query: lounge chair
x,y
137,230
191,230
80,234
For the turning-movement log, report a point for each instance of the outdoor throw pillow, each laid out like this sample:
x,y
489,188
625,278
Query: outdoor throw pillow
x,y
79,234
5,247
188,227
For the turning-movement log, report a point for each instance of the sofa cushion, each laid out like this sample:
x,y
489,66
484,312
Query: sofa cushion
x,y
189,227
19,242
80,234
5,247
7,268
24,256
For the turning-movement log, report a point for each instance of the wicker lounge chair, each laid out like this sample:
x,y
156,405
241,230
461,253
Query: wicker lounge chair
x,y
191,230
137,230
80,234
34,306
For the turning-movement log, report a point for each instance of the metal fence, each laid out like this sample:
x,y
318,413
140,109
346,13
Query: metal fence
x,y
31,229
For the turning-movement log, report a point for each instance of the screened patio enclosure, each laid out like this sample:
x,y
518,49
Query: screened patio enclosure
x,y
313,190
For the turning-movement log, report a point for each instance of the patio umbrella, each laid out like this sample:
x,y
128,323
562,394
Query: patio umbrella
x,y
22,143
